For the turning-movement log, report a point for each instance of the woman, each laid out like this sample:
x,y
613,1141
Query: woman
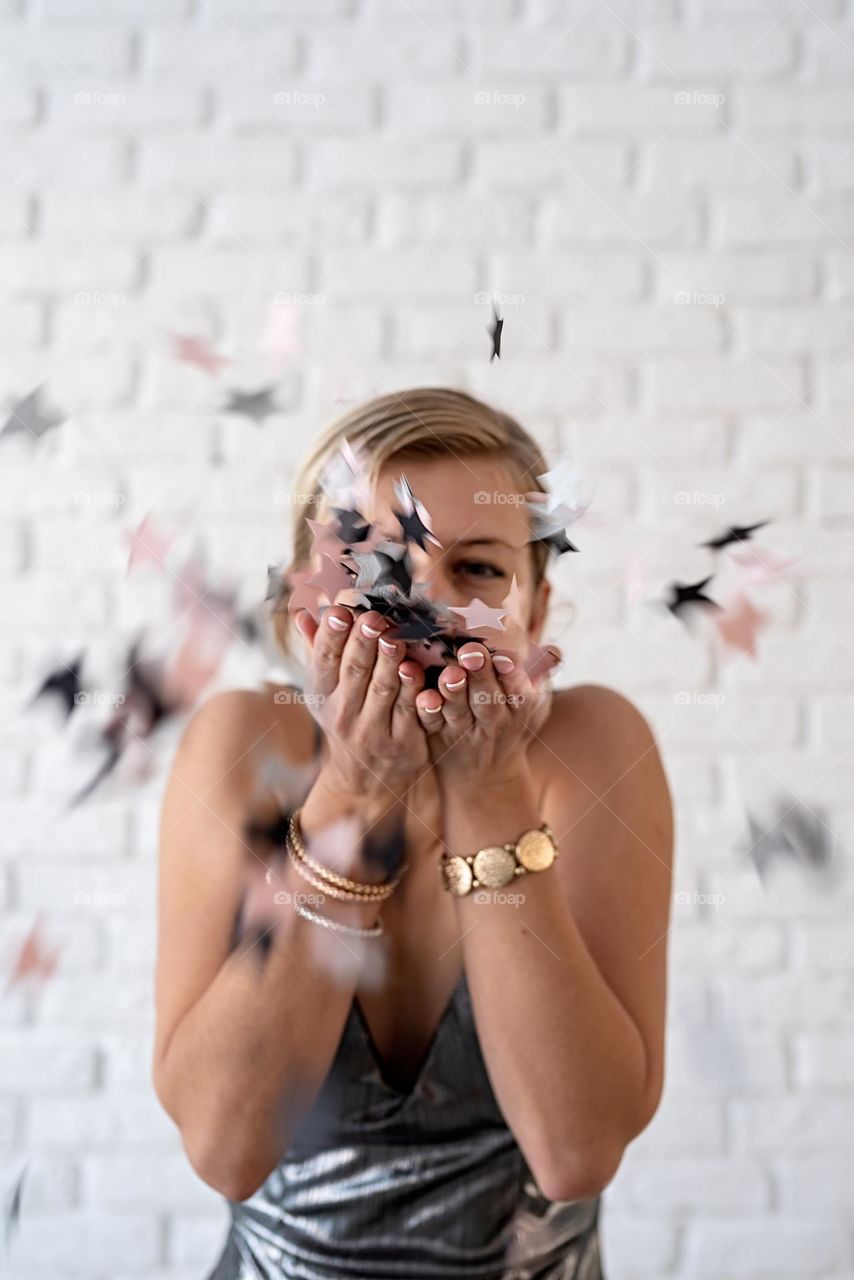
x,y
462,1117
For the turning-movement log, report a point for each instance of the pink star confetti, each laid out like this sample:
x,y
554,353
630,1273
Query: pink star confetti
x,y
739,623
303,594
331,579
35,960
147,544
197,351
479,616
759,564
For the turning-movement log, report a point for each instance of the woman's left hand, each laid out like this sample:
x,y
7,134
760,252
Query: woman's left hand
x,y
482,718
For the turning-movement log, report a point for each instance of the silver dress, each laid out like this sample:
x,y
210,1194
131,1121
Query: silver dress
x,y
378,1183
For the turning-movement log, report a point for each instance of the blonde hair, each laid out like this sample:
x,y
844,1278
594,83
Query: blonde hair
x,y
423,421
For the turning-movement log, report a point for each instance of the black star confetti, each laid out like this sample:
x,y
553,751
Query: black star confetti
x,y
256,405
28,417
682,594
65,683
735,533
495,333
796,833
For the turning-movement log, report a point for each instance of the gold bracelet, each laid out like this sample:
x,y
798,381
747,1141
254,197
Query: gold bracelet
x,y
332,890
365,892
496,865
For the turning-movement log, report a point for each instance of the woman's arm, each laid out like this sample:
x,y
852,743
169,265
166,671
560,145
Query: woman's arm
x,y
568,986
243,1043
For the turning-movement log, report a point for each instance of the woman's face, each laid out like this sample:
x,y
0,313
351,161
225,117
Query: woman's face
x,y
477,511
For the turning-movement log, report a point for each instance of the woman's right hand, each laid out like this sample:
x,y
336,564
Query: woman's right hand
x,y
362,691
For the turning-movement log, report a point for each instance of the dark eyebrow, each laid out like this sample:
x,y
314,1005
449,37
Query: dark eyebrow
x,y
484,542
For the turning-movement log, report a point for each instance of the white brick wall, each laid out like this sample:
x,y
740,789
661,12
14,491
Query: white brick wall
x,y
602,160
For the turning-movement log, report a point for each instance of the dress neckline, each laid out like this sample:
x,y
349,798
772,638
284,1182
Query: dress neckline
x,y
431,1047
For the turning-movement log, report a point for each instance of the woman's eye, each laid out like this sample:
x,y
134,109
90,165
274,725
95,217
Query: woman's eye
x,y
478,567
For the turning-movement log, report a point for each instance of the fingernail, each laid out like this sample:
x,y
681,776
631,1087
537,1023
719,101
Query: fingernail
x,y
373,632
431,711
336,623
473,660
387,646
455,684
503,662
405,678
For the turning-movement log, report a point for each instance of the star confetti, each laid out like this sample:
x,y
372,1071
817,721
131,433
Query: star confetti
x,y
332,578
29,417
35,961
12,1211
344,479
735,533
795,833
197,351
256,405
760,565
495,333
65,683
739,624
147,544
414,518
684,594
477,615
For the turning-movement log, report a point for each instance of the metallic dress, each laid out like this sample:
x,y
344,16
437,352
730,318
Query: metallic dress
x,y
380,1183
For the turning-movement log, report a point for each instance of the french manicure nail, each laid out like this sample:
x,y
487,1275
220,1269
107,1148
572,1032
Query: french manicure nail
x,y
503,662
406,678
336,623
387,646
455,684
473,660
373,632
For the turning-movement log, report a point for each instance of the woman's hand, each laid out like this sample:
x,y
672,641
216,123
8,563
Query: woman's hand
x,y
363,691
482,718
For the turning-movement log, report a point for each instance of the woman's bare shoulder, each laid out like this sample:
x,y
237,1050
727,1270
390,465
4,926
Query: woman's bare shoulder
x,y
237,720
594,727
